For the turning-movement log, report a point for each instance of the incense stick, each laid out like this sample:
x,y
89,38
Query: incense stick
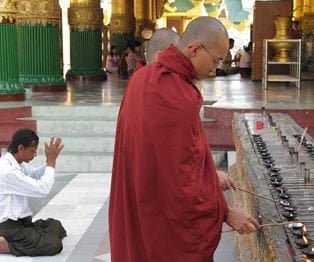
x,y
264,225
252,193
302,137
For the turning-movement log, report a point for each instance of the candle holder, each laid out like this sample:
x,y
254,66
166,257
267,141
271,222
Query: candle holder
x,y
299,233
273,174
309,251
303,242
284,195
275,169
276,183
290,208
285,203
296,226
281,189
276,178
290,215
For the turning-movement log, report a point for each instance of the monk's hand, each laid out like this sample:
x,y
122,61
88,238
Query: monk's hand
x,y
225,181
52,150
241,222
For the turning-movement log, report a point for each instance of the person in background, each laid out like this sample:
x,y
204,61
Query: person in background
x,y
246,61
140,58
112,61
123,66
166,202
131,58
225,66
19,235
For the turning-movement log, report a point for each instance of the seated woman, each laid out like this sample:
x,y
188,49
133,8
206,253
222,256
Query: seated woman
x,y
112,61
226,67
246,61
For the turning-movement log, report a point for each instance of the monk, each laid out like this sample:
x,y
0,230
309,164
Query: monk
x,y
160,40
166,204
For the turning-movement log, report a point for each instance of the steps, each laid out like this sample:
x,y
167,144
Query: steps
x,y
87,132
9,123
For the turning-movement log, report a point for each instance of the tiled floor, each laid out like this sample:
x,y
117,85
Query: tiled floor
x,y
83,213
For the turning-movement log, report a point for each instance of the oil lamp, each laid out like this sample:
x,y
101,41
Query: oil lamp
x,y
309,252
303,242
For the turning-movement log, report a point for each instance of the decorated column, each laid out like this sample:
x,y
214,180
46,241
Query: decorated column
x,y
122,24
10,88
39,45
143,16
303,14
86,21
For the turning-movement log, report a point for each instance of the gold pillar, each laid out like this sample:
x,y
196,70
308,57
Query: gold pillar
x,y
10,87
85,14
143,16
308,16
122,24
39,44
297,9
35,12
86,23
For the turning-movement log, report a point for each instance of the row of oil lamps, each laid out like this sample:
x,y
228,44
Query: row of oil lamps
x,y
298,229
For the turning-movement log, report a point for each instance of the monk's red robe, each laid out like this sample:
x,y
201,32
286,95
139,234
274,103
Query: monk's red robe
x,y
165,202
139,65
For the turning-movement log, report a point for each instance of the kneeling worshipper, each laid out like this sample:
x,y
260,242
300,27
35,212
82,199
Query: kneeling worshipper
x,y
19,235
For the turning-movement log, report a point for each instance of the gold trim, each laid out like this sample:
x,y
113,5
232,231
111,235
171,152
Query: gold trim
x,y
308,23
122,23
85,18
85,3
141,10
8,10
160,7
38,12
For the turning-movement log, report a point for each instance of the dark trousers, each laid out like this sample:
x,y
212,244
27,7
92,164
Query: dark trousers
x,y
245,72
39,238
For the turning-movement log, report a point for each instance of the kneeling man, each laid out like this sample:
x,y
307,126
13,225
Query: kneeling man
x,y
19,181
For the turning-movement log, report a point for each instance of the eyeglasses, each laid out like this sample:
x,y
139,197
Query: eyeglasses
x,y
217,60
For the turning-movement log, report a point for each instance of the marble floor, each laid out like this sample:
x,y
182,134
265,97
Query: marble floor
x,y
84,213
228,92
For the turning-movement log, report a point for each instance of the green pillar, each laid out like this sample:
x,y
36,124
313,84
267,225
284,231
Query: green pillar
x,y
39,45
10,88
122,24
86,20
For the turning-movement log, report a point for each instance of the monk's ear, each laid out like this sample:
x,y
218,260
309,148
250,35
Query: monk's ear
x,y
157,54
192,50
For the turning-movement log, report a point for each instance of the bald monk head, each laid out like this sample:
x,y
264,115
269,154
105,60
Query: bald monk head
x,y
160,40
204,42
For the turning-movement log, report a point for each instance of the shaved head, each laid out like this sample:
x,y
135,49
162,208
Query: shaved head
x,y
205,30
160,40
204,42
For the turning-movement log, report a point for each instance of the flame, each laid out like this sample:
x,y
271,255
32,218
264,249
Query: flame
x,y
307,260
305,240
312,249
304,229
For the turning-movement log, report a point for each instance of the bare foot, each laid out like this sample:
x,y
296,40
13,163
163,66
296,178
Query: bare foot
x,y
4,247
